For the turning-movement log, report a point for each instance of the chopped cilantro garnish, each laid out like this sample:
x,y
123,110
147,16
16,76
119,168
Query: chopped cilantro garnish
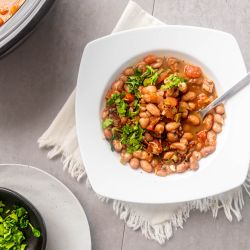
x,y
132,136
149,77
136,109
107,123
172,81
113,98
121,105
12,228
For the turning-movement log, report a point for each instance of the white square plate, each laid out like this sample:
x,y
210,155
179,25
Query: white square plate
x,y
219,56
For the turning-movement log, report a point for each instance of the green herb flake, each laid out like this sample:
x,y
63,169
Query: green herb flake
x,y
172,81
132,136
12,223
121,105
136,109
150,76
107,123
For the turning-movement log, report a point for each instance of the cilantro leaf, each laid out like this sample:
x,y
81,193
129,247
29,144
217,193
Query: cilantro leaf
x,y
136,109
107,123
132,136
172,81
13,222
121,105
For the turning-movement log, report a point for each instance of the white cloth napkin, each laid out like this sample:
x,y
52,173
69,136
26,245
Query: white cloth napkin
x,y
155,221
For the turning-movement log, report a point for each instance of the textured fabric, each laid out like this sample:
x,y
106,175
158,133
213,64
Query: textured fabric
x,y
155,221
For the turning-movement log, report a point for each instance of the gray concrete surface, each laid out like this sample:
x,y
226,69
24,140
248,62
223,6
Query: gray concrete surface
x,y
37,78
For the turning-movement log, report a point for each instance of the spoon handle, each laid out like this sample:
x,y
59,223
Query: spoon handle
x,y
237,87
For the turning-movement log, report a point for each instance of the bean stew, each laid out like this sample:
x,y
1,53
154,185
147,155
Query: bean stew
x,y
8,8
150,115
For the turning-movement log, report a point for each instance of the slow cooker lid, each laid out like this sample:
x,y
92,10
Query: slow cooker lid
x,y
20,20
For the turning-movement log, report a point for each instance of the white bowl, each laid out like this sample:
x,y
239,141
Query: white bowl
x,y
219,56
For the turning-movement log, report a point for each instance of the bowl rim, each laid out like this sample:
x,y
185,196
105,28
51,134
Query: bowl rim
x,y
37,214
91,46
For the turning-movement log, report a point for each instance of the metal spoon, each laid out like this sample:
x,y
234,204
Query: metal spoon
x,y
232,91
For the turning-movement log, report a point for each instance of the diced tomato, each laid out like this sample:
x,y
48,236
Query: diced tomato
x,y
202,136
129,97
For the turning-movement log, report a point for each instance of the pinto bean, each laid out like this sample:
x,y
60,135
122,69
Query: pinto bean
x,y
193,163
128,72
198,146
184,141
188,136
184,114
217,128
191,106
152,98
144,114
124,120
137,154
155,147
153,109
219,119
134,163
193,119
117,145
150,59
157,64
192,71
220,109
105,113
154,162
189,96
168,155
183,87
172,137
211,138
148,137
197,81
197,155
146,156
170,101
123,78
144,122
159,128
125,156
161,172
173,63
149,89
179,146
207,150
107,133
118,85
146,166
208,121
182,167
141,66
172,126
153,121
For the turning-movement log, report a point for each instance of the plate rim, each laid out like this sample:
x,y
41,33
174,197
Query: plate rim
x,y
58,182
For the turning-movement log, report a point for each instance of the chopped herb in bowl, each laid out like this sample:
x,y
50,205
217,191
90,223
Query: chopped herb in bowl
x,y
14,224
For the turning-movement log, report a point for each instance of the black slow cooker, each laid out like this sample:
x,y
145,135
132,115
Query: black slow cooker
x,y
22,23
